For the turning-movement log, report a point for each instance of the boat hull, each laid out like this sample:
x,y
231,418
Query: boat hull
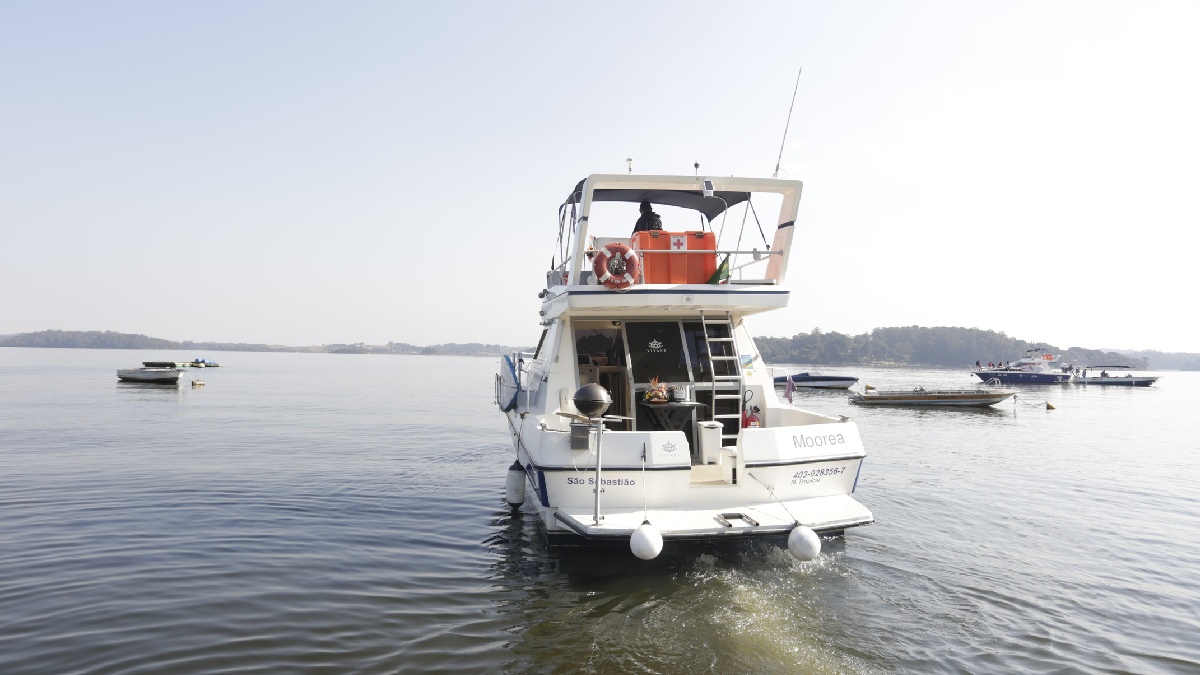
x,y
819,381
150,375
781,476
1119,381
959,399
1023,377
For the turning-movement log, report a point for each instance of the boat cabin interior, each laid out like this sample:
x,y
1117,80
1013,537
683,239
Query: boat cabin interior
x,y
694,359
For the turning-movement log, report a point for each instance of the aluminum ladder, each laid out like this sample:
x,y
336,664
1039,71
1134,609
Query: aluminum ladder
x,y
729,385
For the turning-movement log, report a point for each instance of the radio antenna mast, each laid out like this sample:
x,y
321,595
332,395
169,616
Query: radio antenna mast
x,y
788,124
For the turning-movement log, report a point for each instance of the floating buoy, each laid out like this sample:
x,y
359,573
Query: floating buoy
x,y
868,387
803,543
1049,406
514,489
646,542
197,383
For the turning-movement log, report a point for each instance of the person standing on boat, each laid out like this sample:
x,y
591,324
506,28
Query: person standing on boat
x,y
649,220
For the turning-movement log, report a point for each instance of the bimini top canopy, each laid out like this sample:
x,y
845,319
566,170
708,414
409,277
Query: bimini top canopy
x,y
695,200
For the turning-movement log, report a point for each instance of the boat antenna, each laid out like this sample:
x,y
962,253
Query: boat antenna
x,y
788,124
629,164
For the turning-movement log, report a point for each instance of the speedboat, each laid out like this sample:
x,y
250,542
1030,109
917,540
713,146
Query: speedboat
x,y
1116,375
817,380
150,374
646,414
981,396
1036,367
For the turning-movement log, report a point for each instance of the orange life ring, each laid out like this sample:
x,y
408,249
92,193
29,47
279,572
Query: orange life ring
x,y
616,266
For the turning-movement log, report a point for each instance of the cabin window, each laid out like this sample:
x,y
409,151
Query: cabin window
x,y
537,352
656,351
601,357
599,346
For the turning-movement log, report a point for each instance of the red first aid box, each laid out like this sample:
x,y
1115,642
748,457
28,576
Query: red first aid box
x,y
693,258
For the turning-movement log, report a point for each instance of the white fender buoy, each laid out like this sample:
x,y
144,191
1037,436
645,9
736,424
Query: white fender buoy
x,y
514,489
646,542
803,543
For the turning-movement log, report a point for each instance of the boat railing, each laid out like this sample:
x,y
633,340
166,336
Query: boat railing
x,y
734,260
559,275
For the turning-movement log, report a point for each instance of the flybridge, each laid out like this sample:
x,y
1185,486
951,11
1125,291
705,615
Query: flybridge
x,y
744,256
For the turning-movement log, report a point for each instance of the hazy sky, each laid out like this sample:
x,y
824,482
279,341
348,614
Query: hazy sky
x,y
317,172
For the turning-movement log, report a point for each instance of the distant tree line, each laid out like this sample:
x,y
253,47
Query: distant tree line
x,y
90,339
66,339
917,345
1170,360
905,345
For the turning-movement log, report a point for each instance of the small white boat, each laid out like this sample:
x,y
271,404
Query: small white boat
x,y
956,396
152,375
646,414
1115,375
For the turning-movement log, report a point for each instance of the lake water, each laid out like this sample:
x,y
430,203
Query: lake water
x,y
317,513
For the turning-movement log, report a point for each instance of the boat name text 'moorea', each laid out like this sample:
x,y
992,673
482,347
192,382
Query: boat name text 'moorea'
x,y
646,414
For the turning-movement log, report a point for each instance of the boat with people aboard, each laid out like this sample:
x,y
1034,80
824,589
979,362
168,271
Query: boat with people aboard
x,y
151,372
986,394
1036,367
1115,375
646,414
817,381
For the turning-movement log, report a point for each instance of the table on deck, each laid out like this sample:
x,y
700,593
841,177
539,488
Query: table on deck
x,y
671,416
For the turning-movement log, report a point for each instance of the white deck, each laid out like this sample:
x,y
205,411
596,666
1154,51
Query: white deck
x,y
834,512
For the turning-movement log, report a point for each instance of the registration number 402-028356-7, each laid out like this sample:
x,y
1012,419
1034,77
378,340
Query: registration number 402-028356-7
x,y
815,475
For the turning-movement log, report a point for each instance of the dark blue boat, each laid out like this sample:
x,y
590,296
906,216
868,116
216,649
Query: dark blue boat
x,y
818,380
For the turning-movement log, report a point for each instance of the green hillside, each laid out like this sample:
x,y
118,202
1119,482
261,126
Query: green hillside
x,y
917,345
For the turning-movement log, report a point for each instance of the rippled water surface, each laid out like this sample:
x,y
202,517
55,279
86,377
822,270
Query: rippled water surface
x,y
308,513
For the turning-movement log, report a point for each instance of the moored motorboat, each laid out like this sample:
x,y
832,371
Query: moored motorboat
x,y
646,414
818,381
1125,376
979,396
1036,367
150,375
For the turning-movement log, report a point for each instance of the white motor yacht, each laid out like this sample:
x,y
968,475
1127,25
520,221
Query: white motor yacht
x,y
1038,366
646,414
